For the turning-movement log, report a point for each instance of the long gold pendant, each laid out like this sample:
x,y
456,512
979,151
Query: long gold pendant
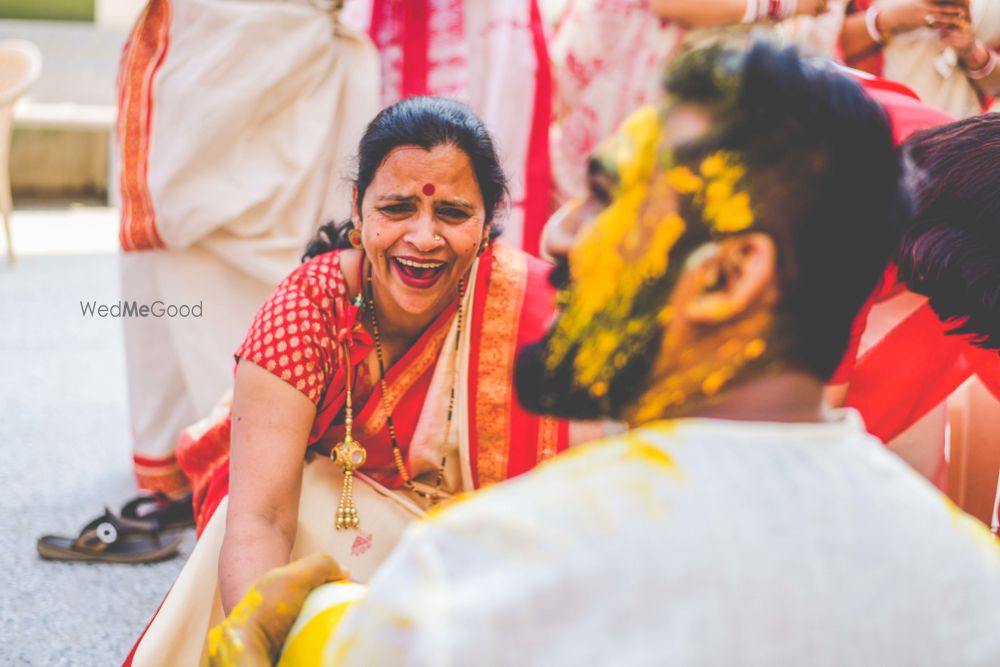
x,y
349,455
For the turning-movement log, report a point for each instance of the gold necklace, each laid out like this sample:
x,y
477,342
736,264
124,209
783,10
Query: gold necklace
x,y
350,455
397,454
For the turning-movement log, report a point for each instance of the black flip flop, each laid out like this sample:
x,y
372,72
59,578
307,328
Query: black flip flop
x,y
110,539
160,511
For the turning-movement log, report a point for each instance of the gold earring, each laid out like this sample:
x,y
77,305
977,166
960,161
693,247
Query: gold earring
x,y
485,242
354,237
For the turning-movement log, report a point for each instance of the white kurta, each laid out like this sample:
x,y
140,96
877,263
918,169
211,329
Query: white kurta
x,y
694,542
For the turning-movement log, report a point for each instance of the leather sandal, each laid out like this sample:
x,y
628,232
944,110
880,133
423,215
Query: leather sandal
x,y
110,539
160,511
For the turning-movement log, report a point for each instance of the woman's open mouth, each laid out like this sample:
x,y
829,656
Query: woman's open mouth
x,y
418,273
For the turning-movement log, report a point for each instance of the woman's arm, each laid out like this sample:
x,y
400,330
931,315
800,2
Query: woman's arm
x,y
270,432
699,14
705,14
856,38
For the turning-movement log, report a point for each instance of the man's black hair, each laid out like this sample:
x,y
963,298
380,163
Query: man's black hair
x,y
826,183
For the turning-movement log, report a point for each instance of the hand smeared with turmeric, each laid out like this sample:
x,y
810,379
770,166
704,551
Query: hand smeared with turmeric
x,y
255,631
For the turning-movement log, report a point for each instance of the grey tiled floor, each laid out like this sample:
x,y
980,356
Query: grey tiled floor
x,y
64,453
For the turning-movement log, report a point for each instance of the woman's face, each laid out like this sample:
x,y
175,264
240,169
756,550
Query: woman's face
x,y
422,222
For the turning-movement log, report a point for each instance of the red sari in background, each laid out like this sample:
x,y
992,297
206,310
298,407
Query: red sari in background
x,y
916,365
503,439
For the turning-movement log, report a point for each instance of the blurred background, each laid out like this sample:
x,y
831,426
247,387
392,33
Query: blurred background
x,y
65,439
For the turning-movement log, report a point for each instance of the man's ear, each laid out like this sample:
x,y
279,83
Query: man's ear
x,y
729,280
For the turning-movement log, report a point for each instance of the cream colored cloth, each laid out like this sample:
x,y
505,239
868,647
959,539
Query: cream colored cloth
x,y
917,60
256,108
176,636
693,542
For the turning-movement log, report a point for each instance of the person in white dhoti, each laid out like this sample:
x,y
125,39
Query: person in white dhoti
x,y
730,237
235,123
231,156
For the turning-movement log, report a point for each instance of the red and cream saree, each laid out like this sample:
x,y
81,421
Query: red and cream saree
x,y
492,438
496,438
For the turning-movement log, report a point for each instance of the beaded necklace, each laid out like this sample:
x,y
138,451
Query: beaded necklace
x,y
397,454
350,454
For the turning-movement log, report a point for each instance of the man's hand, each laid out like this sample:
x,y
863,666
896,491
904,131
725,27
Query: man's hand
x,y
255,631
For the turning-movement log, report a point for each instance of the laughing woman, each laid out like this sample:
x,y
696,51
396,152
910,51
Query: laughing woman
x,y
390,350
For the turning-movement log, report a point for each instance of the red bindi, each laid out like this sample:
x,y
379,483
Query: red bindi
x,y
428,189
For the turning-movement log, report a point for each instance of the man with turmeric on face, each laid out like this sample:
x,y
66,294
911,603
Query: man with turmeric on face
x,y
729,239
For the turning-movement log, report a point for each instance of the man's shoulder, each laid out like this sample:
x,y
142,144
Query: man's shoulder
x,y
561,492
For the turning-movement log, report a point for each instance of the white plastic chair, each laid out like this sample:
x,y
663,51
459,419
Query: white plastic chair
x,y
20,65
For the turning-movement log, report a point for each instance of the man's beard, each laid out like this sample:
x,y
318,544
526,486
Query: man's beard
x,y
554,392
551,392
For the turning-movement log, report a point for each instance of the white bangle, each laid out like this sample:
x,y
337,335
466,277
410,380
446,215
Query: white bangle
x,y
871,22
985,70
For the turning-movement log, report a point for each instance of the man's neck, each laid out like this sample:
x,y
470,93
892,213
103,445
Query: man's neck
x,y
788,396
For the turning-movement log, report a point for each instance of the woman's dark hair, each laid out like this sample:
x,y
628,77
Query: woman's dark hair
x,y
951,251
426,122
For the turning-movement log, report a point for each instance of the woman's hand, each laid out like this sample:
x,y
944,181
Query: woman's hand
x,y
969,50
956,33
904,17
255,631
